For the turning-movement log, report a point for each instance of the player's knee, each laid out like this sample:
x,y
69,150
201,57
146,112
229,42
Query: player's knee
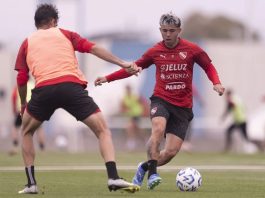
x,y
170,153
103,133
28,130
158,130
158,125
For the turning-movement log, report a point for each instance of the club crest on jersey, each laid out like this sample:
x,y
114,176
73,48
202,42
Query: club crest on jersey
x,y
153,110
183,55
163,56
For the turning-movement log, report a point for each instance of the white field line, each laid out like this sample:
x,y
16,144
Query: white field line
x,y
163,168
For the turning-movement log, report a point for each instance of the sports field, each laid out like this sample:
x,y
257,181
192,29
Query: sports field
x,y
83,175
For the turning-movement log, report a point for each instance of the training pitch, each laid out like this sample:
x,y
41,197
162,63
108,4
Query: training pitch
x,y
83,175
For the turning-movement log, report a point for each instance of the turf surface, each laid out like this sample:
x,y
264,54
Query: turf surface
x,y
246,182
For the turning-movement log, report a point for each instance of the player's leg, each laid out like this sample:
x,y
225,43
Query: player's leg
x,y
176,131
40,107
82,107
41,138
29,125
98,125
175,127
243,129
228,142
159,115
77,102
157,134
15,134
259,144
153,151
172,147
131,134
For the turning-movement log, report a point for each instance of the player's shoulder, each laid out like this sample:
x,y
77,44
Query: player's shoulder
x,y
71,35
188,43
66,31
191,46
153,49
157,46
23,45
24,42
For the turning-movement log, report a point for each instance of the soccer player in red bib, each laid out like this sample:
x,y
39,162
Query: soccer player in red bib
x,y
171,102
49,55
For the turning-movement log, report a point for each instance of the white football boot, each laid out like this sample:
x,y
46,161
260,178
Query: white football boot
x,y
121,184
29,190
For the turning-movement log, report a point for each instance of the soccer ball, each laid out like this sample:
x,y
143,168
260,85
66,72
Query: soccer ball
x,y
188,179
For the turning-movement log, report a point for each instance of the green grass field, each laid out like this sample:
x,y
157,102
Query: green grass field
x,y
69,175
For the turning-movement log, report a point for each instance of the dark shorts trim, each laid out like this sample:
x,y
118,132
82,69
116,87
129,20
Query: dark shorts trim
x,y
69,96
178,118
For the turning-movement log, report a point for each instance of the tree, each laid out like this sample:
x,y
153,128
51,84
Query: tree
x,y
199,26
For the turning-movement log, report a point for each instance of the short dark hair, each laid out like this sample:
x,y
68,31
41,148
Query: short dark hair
x,y
45,13
170,19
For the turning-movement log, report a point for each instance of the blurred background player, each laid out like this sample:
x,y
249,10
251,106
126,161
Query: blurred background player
x,y
134,107
16,128
235,106
171,102
49,55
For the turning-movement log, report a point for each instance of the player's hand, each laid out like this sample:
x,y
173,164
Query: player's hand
x,y
100,80
219,89
132,68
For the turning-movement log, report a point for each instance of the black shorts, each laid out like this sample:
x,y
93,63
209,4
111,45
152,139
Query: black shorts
x,y
17,120
178,118
72,97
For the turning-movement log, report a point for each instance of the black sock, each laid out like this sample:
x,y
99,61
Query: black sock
x,y
30,175
145,166
152,165
112,170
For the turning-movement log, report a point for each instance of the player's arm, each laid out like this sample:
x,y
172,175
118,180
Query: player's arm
x,y
104,54
120,74
204,61
22,76
22,90
144,62
85,46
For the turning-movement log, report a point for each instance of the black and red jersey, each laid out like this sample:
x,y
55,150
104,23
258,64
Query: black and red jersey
x,y
174,70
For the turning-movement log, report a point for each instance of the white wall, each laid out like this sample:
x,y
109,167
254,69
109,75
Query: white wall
x,y
7,75
241,66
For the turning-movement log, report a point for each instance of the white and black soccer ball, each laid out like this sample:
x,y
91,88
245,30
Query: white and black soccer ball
x,y
188,179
